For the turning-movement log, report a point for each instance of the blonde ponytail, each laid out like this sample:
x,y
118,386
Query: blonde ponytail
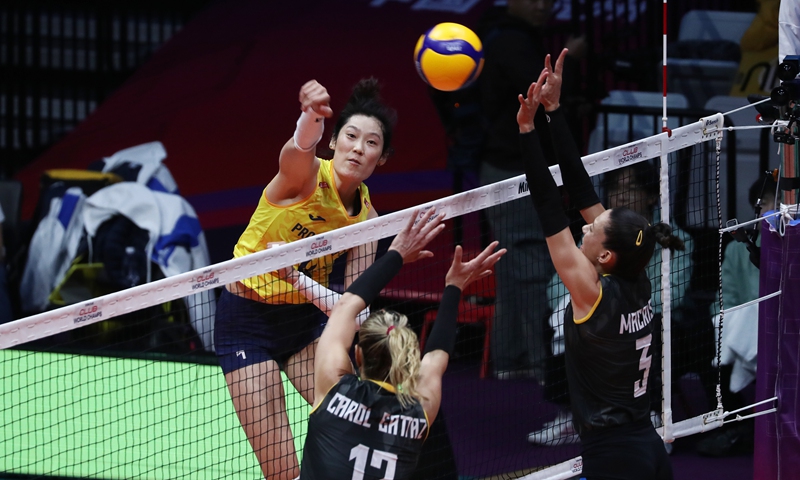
x,y
390,352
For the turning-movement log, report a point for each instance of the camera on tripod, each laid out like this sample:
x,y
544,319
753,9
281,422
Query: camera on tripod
x,y
788,92
789,89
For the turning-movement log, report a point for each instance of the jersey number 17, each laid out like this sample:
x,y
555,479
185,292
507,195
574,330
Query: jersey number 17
x,y
360,453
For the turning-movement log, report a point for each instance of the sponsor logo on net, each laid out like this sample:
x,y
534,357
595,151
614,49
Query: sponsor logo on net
x,y
577,466
89,311
630,154
319,245
710,124
205,279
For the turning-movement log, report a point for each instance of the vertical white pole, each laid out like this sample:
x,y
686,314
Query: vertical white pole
x,y
666,256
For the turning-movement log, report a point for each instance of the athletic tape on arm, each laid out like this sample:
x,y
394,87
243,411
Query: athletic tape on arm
x,y
310,127
323,298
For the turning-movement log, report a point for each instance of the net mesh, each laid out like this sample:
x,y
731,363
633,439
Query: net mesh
x,y
121,387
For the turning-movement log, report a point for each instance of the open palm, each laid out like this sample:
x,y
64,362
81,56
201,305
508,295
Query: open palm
x,y
551,91
528,105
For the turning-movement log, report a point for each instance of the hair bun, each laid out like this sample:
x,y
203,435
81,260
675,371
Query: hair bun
x,y
665,238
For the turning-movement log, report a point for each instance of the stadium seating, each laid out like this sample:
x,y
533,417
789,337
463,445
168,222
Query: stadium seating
x,y
701,78
641,125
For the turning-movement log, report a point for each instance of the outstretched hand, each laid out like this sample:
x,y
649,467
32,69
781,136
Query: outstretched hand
x,y
419,231
461,274
528,105
551,91
315,97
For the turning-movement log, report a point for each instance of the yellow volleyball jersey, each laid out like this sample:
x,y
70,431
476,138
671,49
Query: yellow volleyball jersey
x,y
320,212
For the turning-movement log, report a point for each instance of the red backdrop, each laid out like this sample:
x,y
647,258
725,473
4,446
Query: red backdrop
x,y
221,95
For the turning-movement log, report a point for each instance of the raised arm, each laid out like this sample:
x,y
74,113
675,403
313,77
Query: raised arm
x,y
361,257
358,260
576,180
576,271
298,164
332,360
443,335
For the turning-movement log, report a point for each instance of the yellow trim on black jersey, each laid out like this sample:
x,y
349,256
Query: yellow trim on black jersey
x,y
314,409
428,432
578,321
384,385
388,387
391,388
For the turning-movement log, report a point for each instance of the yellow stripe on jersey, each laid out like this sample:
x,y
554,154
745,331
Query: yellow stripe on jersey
x,y
320,212
386,386
594,307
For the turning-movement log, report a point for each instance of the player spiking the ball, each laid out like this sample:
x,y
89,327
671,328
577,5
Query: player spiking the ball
x,y
265,325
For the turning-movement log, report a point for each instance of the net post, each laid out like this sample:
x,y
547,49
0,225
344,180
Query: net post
x,y
791,167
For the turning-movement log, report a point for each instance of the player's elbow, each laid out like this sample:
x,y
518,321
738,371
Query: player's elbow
x,y
348,305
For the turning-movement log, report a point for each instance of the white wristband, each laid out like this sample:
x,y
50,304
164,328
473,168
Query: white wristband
x,y
308,133
323,298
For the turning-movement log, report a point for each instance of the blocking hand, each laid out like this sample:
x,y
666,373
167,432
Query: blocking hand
x,y
528,105
551,91
461,273
420,230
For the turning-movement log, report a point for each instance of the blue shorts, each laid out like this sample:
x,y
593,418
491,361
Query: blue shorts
x,y
247,332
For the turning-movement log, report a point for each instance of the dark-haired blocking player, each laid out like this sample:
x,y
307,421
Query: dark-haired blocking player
x,y
608,328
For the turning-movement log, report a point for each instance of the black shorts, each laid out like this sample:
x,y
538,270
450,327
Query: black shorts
x,y
626,452
247,332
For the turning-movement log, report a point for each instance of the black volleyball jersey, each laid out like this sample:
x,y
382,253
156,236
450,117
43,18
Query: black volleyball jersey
x,y
608,355
361,431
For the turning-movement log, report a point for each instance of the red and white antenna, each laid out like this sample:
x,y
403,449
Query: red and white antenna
x,y
664,127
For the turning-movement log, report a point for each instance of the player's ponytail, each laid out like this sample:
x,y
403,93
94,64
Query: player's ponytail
x,y
664,236
390,353
366,100
633,241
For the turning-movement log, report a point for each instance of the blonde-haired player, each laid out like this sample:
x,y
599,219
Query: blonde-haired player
x,y
373,427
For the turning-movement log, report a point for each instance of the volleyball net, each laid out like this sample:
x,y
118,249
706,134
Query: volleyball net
x,y
123,386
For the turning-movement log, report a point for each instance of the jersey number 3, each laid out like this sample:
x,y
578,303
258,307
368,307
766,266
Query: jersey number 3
x,y
361,452
640,385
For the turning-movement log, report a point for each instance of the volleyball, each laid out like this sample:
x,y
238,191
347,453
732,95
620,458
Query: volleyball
x,y
449,56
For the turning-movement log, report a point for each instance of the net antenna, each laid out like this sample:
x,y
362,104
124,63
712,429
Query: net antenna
x,y
664,127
